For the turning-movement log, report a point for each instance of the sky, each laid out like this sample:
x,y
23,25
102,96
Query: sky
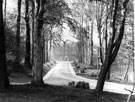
x,y
11,4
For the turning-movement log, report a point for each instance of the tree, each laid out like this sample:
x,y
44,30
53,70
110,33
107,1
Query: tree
x,y
99,19
4,81
28,45
32,32
114,42
102,14
18,36
91,42
38,42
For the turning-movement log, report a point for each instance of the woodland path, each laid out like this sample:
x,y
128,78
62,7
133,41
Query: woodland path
x,y
63,73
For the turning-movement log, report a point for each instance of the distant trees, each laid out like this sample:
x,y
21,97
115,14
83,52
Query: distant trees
x,y
84,30
4,81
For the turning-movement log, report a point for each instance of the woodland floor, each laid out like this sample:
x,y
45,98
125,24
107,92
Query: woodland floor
x,y
47,93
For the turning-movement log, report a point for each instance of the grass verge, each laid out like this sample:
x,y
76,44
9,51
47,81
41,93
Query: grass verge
x,y
47,93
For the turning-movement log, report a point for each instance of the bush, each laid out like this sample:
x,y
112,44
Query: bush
x,y
71,84
82,85
94,74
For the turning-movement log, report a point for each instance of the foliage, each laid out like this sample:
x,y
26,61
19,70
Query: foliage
x,y
73,24
53,34
56,12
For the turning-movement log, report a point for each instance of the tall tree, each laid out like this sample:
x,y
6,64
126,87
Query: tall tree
x,y
4,81
102,15
32,32
18,35
114,42
91,42
38,43
28,45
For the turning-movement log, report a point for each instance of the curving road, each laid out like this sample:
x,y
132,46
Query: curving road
x,y
63,73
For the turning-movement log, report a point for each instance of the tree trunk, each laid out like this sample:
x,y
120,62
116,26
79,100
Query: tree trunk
x,y
91,42
83,47
106,41
28,47
106,30
32,34
46,51
45,47
46,59
38,44
4,81
100,43
102,74
5,10
50,48
78,46
18,37
108,74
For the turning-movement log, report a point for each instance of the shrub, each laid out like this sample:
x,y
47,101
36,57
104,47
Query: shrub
x,y
83,85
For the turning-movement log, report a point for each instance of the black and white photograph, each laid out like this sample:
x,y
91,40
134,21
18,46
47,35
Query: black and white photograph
x,y
67,51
